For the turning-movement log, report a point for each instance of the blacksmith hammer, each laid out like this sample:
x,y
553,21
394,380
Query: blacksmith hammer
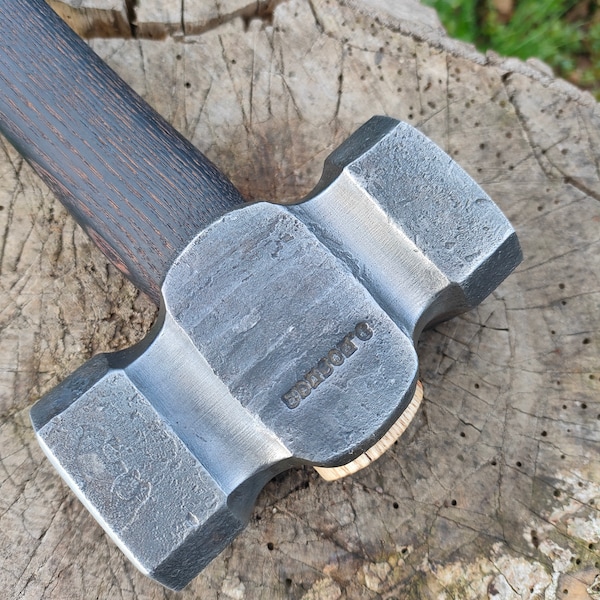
x,y
285,334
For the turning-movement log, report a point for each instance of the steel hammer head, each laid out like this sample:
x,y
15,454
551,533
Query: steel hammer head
x,y
286,336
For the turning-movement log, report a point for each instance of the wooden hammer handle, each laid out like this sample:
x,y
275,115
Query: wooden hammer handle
x,y
137,187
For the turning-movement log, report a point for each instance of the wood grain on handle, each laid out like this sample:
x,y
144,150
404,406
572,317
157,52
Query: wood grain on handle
x,y
137,187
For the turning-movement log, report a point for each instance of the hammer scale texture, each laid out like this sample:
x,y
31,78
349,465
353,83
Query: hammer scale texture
x,y
137,187
283,338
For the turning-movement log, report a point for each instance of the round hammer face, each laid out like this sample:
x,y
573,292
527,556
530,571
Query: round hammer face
x,y
295,338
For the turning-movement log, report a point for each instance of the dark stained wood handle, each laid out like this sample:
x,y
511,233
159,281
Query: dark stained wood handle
x,y
137,187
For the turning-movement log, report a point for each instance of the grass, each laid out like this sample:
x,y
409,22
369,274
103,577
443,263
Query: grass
x,y
563,33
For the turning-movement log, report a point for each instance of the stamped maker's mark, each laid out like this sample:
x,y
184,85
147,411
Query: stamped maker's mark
x,y
325,367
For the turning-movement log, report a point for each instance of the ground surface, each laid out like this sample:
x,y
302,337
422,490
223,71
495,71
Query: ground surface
x,y
493,491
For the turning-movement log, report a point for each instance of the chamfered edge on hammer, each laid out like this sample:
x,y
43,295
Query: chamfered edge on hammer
x,y
136,477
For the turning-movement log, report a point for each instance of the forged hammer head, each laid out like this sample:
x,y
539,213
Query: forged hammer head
x,y
286,336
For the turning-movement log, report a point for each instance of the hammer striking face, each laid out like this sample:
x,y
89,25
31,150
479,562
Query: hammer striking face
x,y
285,335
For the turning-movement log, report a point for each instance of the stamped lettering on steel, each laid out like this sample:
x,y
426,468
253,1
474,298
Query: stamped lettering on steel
x,y
326,365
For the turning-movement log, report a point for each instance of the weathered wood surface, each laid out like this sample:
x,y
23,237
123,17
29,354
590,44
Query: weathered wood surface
x,y
493,491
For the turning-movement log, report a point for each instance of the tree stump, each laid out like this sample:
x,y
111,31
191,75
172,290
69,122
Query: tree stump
x,y
494,489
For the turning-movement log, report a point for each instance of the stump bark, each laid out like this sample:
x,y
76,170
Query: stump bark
x,y
494,490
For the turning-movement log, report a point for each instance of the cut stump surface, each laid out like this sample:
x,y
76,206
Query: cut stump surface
x,y
494,489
